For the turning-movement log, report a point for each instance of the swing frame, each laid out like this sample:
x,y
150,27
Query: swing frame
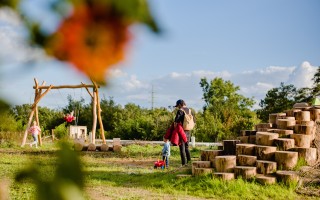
x,y
96,109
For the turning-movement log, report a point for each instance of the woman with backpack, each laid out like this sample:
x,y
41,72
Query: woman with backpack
x,y
184,117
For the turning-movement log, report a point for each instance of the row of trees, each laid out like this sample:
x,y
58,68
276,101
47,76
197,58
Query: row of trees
x,y
224,114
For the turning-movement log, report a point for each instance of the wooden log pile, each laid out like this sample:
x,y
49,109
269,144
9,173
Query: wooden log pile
x,y
270,153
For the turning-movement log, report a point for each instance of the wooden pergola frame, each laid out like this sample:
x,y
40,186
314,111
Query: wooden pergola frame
x,y
96,109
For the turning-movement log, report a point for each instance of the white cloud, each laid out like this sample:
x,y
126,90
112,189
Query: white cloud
x,y
302,76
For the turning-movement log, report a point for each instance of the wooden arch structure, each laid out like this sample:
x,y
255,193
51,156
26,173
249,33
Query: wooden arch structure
x,y
96,110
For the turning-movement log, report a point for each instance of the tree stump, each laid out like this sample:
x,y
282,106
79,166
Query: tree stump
x,y
287,177
117,148
245,172
229,147
286,160
309,154
224,176
245,149
248,132
301,140
245,160
283,133
286,124
307,123
304,129
266,179
263,125
265,152
252,139
265,138
200,164
210,155
104,147
273,118
78,146
266,167
283,144
225,163
315,114
293,112
243,139
303,116
202,171
91,147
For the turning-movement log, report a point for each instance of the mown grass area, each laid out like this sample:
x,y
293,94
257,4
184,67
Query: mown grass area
x,y
130,175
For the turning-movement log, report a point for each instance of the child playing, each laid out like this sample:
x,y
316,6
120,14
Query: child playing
x,y
166,151
34,130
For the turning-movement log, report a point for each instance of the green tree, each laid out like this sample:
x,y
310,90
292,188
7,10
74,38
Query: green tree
x,y
229,108
316,83
277,100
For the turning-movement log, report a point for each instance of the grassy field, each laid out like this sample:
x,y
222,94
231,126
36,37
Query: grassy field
x,y
129,175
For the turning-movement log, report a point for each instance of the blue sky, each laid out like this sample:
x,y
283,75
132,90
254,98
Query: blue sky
x,y
255,44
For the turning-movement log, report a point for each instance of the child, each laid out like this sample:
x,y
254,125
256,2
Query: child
x,y
166,151
34,130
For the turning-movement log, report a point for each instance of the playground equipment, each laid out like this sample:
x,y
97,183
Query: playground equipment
x,y
96,110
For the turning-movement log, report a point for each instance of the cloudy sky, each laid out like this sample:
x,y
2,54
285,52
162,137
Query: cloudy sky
x,y
255,44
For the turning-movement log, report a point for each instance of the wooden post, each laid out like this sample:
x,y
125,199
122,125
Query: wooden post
x,y
94,116
52,134
99,114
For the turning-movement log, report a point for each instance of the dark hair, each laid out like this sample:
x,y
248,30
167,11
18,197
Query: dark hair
x,y
180,102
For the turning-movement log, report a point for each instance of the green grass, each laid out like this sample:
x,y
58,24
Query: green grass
x,y
130,175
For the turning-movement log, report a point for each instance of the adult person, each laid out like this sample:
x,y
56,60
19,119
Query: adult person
x,y
34,130
184,146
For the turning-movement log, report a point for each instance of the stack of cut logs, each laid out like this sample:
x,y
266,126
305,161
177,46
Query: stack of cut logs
x,y
268,153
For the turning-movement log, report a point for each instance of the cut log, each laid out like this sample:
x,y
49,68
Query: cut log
x,y
252,139
286,160
307,123
301,140
104,147
263,125
224,176
293,112
283,144
308,154
315,114
266,179
245,149
229,147
78,146
265,152
282,132
245,172
117,148
200,164
266,167
225,163
273,117
303,116
287,177
248,132
245,160
202,171
286,124
304,129
210,155
263,129
91,147
243,139
265,138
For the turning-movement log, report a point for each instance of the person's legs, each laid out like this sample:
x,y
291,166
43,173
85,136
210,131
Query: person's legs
x,y
182,153
187,152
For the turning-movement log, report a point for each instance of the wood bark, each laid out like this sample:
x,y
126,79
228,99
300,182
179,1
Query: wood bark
x,y
287,177
303,116
94,116
252,139
248,132
286,160
315,114
200,164
202,171
301,140
265,152
245,172
265,138
210,155
104,147
99,113
224,176
243,139
245,160
304,129
225,163
245,149
286,124
283,144
91,147
273,117
229,147
266,179
266,167
308,154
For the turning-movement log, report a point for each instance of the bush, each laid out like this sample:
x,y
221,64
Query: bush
x,y
61,131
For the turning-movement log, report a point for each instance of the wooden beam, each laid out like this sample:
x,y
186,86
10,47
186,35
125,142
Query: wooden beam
x,y
99,114
65,86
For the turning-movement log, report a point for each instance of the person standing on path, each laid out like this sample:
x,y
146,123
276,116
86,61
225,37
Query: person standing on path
x,y
34,130
184,146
